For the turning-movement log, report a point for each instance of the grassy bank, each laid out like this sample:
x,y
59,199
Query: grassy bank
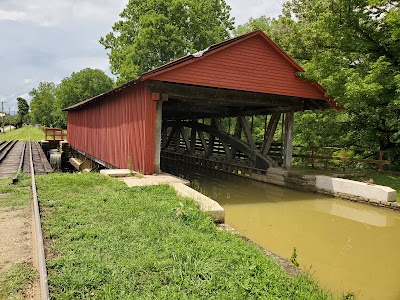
x,y
107,241
23,134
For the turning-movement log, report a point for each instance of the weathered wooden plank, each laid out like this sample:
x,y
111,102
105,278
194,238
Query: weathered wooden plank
x,y
269,135
247,132
288,140
215,122
185,137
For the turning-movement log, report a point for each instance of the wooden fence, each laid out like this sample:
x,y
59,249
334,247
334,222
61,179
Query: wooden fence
x,y
352,154
55,134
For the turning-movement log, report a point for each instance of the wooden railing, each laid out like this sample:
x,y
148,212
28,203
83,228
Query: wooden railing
x,y
352,154
55,134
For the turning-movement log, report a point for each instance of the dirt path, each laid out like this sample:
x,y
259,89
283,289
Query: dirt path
x,y
16,238
17,276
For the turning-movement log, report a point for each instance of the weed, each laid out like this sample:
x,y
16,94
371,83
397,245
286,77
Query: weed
x,y
293,258
15,281
15,195
349,296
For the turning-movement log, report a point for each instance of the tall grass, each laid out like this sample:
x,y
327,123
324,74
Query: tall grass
x,y
107,241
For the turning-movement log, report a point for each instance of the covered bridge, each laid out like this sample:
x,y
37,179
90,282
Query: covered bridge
x,y
130,126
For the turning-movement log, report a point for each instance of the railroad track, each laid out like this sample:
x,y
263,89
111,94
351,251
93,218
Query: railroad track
x,y
28,157
15,157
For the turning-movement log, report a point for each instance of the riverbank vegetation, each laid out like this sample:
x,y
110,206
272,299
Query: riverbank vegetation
x,y
23,134
107,241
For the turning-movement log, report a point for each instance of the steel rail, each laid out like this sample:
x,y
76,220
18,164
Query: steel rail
x,y
21,162
4,145
44,287
6,150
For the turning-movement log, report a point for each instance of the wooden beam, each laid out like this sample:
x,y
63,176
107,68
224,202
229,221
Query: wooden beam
x,y
200,134
193,135
269,135
288,157
185,137
210,147
171,136
216,124
237,135
177,138
247,132
157,146
175,90
178,112
164,134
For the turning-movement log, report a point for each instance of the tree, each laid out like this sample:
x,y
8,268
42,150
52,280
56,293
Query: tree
x,y
42,103
261,23
23,110
351,47
154,32
82,85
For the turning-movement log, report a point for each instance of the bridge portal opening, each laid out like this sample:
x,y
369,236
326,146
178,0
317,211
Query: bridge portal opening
x,y
228,127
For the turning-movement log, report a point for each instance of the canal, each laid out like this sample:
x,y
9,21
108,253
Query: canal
x,y
346,246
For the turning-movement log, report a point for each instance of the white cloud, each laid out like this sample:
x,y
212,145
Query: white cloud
x,y
92,9
25,95
28,80
12,15
75,64
51,14
243,10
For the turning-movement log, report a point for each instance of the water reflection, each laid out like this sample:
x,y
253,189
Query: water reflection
x,y
358,213
347,246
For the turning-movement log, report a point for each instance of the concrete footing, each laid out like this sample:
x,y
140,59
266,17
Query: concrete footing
x,y
208,205
359,190
339,187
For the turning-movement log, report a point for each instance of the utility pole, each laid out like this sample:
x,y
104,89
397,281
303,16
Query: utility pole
x,y
9,118
2,116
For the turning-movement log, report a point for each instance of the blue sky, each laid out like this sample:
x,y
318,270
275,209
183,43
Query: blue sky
x,y
48,40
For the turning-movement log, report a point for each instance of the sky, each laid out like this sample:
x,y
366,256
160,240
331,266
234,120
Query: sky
x,y
44,40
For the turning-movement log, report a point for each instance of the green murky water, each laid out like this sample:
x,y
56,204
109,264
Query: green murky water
x,y
346,246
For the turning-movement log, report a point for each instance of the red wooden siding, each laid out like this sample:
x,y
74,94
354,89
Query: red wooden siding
x,y
250,65
117,129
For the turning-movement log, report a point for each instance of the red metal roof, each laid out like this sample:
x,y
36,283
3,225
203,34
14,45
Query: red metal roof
x,y
189,59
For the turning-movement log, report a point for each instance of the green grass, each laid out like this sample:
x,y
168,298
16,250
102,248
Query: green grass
x,y
15,282
15,196
386,178
108,241
23,134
